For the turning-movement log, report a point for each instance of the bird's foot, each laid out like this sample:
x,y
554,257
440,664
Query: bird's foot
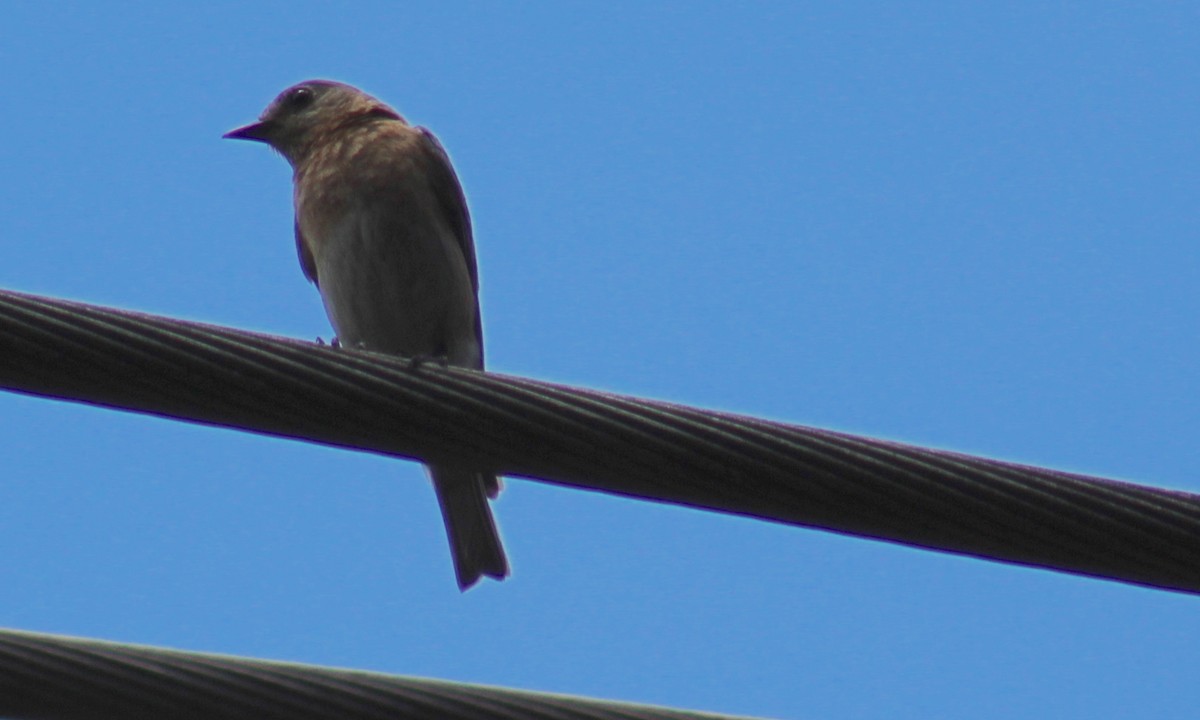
x,y
416,361
337,343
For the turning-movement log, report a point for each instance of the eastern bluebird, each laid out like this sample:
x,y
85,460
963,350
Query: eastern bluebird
x,y
382,230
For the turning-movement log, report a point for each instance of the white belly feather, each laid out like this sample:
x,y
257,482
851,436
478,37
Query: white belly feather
x,y
390,289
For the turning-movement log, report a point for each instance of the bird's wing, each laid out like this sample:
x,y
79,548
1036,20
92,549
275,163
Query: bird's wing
x,y
307,263
453,204
450,198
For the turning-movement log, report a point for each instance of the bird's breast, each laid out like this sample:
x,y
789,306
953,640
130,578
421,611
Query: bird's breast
x,y
389,272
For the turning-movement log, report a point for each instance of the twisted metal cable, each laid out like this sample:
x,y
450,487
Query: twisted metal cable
x,y
599,441
52,677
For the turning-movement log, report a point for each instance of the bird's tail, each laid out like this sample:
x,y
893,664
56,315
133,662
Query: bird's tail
x,y
474,542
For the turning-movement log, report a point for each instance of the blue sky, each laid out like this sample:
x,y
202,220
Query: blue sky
x,y
967,226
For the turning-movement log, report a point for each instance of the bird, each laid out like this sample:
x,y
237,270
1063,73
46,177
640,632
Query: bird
x,y
383,231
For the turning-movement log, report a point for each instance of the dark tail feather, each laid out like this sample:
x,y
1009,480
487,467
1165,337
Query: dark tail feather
x,y
474,543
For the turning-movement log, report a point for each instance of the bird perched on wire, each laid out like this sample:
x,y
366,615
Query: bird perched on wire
x,y
382,230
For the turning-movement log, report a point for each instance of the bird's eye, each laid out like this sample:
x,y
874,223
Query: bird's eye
x,y
300,97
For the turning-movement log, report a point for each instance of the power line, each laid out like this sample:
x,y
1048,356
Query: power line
x,y
56,677
628,446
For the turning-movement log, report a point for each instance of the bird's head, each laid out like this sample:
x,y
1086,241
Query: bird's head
x,y
304,113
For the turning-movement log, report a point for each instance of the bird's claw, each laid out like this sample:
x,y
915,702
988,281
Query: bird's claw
x,y
337,343
416,361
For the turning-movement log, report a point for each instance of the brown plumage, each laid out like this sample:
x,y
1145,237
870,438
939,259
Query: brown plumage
x,y
382,229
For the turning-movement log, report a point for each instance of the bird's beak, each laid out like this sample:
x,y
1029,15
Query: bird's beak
x,y
259,131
